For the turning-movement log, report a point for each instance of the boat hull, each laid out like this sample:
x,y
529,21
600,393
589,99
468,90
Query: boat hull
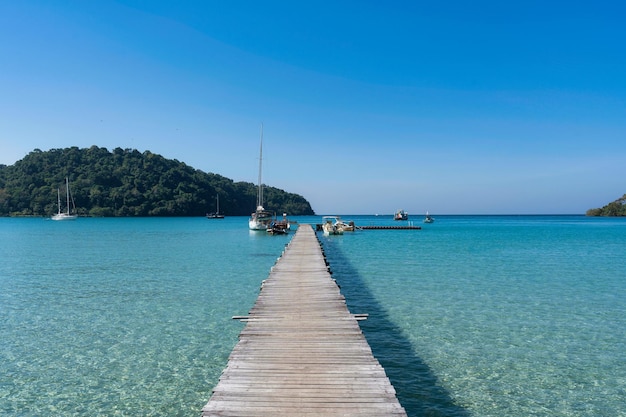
x,y
260,220
64,217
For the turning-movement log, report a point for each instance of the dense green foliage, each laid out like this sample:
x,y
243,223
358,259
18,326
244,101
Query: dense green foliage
x,y
616,208
126,182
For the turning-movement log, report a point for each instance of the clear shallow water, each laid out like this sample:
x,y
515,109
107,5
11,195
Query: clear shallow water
x,y
472,315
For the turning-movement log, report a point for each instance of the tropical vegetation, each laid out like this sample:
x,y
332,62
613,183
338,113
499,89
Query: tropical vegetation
x,y
126,182
615,208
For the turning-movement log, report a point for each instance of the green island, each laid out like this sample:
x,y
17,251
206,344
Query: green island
x,y
616,208
126,182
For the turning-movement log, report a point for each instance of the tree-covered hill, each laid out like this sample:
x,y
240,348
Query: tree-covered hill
x,y
126,182
616,208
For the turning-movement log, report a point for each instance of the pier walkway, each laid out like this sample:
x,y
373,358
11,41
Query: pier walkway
x,y
301,352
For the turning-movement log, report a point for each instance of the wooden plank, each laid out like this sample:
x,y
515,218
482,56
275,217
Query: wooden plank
x,y
302,352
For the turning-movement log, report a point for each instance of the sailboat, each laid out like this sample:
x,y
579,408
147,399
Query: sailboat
x,y
261,218
64,215
217,214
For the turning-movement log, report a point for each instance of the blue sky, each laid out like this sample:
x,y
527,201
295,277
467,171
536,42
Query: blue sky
x,y
483,107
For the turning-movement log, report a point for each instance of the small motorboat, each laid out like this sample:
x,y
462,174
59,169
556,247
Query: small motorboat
x,y
278,227
401,215
330,227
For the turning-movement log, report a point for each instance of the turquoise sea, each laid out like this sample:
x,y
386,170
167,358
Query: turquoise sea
x,y
470,316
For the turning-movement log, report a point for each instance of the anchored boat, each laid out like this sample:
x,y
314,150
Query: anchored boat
x,y
401,215
261,218
67,215
217,214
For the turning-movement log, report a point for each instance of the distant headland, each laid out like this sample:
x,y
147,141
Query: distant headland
x,y
616,208
126,182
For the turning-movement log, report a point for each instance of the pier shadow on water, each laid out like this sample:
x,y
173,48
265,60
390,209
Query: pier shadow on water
x,y
416,385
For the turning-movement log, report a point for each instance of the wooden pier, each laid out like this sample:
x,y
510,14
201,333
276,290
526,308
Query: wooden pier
x,y
302,353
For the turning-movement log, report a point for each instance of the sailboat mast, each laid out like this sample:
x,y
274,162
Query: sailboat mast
x,y
67,191
260,193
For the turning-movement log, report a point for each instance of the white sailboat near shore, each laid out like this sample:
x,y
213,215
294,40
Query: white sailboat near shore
x,y
261,218
67,215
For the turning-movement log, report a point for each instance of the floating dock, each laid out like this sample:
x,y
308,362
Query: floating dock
x,y
318,227
390,227
302,353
